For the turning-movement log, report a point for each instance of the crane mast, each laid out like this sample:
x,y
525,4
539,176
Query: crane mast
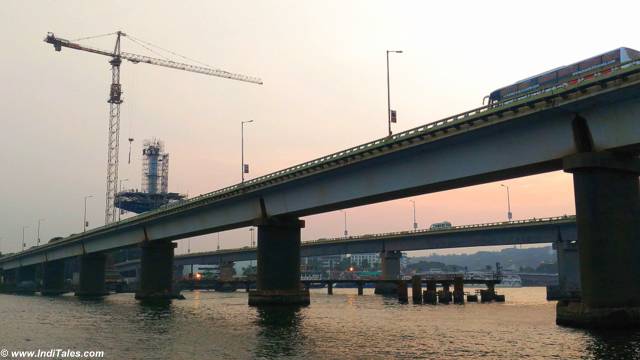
x,y
113,143
115,99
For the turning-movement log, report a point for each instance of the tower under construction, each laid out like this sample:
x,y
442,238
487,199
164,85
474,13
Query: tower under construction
x,y
154,190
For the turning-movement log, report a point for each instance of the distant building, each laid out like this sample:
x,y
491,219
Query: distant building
x,y
369,258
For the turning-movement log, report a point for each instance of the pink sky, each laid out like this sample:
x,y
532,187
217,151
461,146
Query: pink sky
x,y
323,65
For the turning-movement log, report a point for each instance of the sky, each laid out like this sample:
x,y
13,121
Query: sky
x,y
324,72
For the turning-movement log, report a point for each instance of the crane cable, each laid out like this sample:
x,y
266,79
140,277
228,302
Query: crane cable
x,y
93,36
169,51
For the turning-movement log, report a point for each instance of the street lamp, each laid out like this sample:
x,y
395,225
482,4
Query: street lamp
x,y
85,223
120,190
389,113
245,167
38,239
345,223
251,229
415,224
23,244
218,248
509,214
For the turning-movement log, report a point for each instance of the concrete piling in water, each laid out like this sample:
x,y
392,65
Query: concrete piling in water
x,y
607,196
329,288
458,290
445,295
360,288
488,295
403,295
430,295
278,263
92,274
416,289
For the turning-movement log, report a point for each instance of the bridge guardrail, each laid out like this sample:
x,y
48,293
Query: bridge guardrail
x,y
459,227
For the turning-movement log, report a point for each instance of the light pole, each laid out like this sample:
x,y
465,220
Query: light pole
x,y
345,223
23,244
84,223
415,224
251,229
120,190
218,248
509,214
245,167
389,91
38,239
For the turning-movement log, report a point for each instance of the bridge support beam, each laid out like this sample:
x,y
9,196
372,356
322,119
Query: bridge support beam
x,y
92,272
156,271
278,275
607,197
390,263
53,278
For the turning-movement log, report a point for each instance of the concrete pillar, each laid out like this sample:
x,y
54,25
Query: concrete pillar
x,y
26,280
568,287
390,263
445,295
329,288
403,295
489,294
156,271
416,289
92,271
360,288
278,275
607,196
430,295
458,290
53,278
9,280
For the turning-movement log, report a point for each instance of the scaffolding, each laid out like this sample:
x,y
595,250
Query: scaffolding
x,y
155,168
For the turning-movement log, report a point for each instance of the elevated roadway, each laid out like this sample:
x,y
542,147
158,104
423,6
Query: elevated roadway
x,y
527,136
531,231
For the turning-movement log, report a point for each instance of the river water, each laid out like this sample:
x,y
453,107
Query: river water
x,y
210,325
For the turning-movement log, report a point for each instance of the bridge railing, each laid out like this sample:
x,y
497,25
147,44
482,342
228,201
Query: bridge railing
x,y
453,228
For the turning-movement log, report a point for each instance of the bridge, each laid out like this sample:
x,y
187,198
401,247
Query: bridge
x,y
530,231
589,128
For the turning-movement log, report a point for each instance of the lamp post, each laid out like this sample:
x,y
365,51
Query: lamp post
x,y
38,238
389,91
251,229
245,167
509,214
23,244
218,248
84,223
120,190
415,224
345,223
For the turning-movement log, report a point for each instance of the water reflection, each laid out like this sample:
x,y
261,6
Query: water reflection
x,y
279,331
606,345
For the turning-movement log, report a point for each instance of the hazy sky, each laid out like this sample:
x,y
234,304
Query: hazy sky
x,y
323,66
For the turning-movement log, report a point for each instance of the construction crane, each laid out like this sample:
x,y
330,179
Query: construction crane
x,y
115,99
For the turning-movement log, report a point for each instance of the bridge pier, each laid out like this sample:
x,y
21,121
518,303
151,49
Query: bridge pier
x,y
156,271
53,278
390,263
26,279
92,271
607,197
278,275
